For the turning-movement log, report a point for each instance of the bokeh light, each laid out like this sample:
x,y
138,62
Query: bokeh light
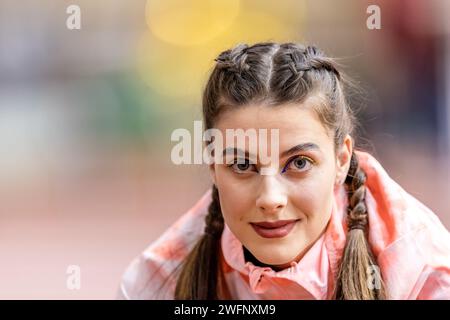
x,y
178,50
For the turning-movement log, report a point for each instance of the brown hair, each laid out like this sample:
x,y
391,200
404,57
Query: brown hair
x,y
276,74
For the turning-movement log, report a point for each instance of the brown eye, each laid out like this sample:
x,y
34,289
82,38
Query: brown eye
x,y
243,166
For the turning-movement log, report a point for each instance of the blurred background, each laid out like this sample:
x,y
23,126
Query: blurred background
x,y
86,116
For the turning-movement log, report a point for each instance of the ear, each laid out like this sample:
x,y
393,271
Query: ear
x,y
344,155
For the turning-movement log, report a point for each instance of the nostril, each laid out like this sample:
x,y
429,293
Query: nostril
x,y
272,208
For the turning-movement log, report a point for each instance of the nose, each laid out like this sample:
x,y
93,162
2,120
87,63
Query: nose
x,y
272,197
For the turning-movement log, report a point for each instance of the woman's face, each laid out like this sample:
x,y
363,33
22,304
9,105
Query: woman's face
x,y
299,189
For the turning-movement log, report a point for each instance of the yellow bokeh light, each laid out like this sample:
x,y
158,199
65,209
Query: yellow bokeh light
x,y
175,67
193,22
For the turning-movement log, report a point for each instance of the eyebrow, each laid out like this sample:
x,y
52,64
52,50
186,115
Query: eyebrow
x,y
300,147
235,151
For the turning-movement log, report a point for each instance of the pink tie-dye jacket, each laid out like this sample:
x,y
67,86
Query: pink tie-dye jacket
x,y
411,245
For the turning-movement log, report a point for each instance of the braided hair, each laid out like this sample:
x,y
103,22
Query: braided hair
x,y
275,74
202,264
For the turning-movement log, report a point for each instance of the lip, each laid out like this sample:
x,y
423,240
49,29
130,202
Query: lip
x,y
274,229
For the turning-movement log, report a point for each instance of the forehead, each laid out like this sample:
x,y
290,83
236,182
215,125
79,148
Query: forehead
x,y
295,122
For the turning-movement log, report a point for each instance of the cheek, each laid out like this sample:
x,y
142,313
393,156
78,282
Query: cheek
x,y
313,196
236,196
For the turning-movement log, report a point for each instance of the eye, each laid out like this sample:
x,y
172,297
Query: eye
x,y
242,166
298,163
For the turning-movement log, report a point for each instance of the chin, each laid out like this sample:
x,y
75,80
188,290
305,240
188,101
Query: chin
x,y
276,258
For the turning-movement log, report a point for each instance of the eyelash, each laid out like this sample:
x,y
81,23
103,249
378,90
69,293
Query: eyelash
x,y
291,160
285,168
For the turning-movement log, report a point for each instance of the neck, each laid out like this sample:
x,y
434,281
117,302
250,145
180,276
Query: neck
x,y
250,258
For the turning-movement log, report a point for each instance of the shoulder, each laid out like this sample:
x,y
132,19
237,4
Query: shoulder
x,y
151,275
394,214
434,284
411,243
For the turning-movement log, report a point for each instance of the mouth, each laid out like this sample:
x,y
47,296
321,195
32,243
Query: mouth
x,y
275,229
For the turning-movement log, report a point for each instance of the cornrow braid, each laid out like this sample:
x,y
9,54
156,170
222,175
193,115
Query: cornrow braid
x,y
234,59
201,276
309,58
299,69
358,263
